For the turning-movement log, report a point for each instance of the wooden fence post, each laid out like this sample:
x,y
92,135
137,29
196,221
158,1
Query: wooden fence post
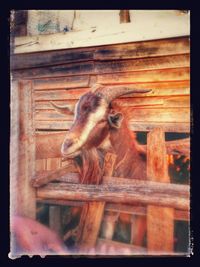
x,y
24,193
14,147
160,220
92,214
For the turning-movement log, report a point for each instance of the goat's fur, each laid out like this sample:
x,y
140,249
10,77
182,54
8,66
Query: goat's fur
x,y
130,161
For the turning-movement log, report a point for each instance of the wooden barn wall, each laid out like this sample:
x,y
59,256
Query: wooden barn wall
x,y
63,76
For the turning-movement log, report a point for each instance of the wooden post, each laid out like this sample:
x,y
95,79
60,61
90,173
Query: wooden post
x,y
109,219
21,187
14,148
92,214
160,220
90,223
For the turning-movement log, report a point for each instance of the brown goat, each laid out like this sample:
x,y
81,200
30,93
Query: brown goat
x,y
100,126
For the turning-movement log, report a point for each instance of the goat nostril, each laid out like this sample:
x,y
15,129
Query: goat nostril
x,y
67,144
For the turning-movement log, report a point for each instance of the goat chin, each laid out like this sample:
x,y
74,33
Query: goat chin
x,y
71,155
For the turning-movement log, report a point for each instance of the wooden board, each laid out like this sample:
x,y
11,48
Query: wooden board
x,y
137,102
144,49
134,126
64,82
14,148
41,59
88,232
160,220
179,74
176,196
80,68
92,213
25,192
165,62
163,88
100,67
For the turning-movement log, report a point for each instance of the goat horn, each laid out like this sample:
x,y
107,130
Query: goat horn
x,y
65,109
110,93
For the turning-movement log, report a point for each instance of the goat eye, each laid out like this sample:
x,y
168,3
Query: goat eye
x,y
85,108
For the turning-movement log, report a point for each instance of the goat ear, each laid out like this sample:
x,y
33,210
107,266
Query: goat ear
x,y
67,110
115,120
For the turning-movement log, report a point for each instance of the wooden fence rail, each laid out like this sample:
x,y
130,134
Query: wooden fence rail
x,y
141,192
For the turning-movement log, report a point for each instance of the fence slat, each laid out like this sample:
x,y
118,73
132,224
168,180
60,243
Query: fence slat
x,y
160,220
92,213
25,193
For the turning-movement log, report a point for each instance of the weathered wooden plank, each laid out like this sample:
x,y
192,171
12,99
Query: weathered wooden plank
x,y
92,214
154,48
101,36
177,127
136,115
180,101
91,218
44,177
178,74
64,82
160,114
46,105
41,59
160,221
144,49
72,178
172,61
141,192
25,193
159,89
160,229
108,223
82,68
14,148
137,102
50,125
56,71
